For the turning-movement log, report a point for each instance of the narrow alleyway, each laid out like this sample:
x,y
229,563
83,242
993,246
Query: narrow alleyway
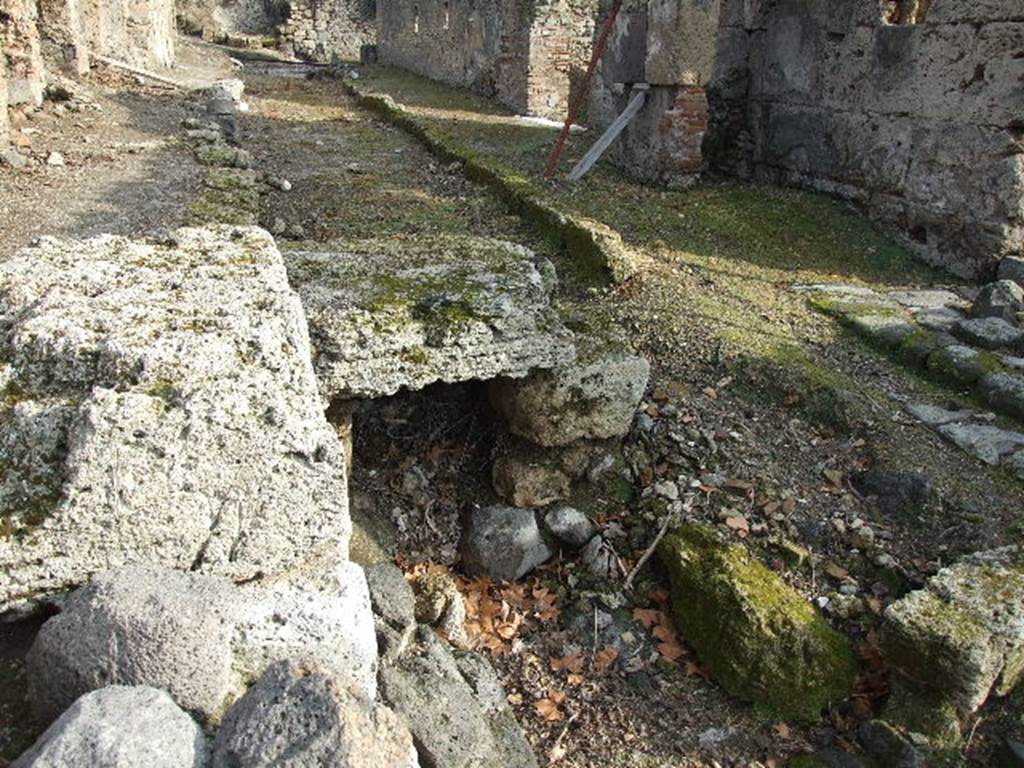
x,y
762,414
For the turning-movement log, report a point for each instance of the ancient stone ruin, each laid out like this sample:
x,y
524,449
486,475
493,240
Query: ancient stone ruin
x,y
354,413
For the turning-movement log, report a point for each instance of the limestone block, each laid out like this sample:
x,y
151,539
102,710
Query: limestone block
x,y
962,636
192,433
761,639
456,309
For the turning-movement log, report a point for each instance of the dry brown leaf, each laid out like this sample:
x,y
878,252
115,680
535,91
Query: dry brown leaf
x,y
783,730
549,710
671,651
575,680
836,571
573,664
649,617
604,658
739,524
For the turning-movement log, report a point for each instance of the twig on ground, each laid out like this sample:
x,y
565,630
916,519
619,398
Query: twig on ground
x,y
648,552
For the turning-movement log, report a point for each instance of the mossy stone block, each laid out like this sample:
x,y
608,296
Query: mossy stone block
x,y
760,638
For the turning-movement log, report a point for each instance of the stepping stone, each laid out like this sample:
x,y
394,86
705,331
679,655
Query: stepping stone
x,y
887,329
927,299
963,364
989,333
383,317
985,442
938,319
934,416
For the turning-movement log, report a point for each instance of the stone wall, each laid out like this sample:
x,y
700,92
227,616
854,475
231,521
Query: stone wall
x,y
19,39
918,117
221,19
670,46
35,34
318,30
526,54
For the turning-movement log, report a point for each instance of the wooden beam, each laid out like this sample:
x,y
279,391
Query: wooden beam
x,y
614,130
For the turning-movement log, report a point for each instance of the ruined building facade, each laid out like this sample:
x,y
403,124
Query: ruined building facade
x,y
913,109
525,54
65,34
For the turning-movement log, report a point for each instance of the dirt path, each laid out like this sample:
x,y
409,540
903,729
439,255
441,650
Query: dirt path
x,y
124,169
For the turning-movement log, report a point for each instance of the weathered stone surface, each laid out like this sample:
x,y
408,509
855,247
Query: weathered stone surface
x,y
984,441
120,727
961,364
502,542
934,416
1012,268
439,604
138,626
569,526
962,636
989,333
761,640
200,638
174,387
525,483
592,398
888,330
301,715
1003,299
891,748
321,611
1004,392
456,710
455,309
394,608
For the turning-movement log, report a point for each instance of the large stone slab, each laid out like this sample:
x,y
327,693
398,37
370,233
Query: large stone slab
x,y
200,638
120,727
301,715
159,405
761,639
387,317
962,636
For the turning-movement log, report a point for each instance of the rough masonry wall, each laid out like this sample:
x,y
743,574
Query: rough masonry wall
x,y
317,30
670,46
19,39
221,19
919,119
35,34
524,53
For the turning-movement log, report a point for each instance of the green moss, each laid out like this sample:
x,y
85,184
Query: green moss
x,y
762,640
965,371
924,712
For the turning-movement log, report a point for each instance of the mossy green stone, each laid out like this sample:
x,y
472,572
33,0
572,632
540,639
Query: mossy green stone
x,y
761,640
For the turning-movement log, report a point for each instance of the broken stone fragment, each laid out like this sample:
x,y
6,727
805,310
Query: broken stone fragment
x,y
961,638
394,608
200,638
127,727
175,384
592,398
302,715
439,604
988,443
569,526
455,707
530,483
502,543
1004,392
393,316
1003,299
761,639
